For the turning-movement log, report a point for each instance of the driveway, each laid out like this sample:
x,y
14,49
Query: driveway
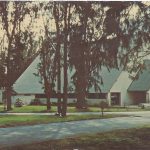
x,y
35,133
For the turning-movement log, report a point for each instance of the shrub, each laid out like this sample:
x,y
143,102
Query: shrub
x,y
19,103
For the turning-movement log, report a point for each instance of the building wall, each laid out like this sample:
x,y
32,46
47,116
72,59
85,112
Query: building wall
x,y
28,98
95,101
148,97
25,98
121,85
70,100
73,100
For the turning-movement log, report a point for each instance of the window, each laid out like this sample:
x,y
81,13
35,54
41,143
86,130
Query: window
x,y
97,95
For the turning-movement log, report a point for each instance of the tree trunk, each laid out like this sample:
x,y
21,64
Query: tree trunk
x,y
8,86
81,102
59,104
64,108
81,80
46,83
59,109
102,110
48,104
81,92
56,12
8,96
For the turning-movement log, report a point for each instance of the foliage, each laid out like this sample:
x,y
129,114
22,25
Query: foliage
x,y
47,70
12,17
128,31
108,34
80,54
93,34
19,103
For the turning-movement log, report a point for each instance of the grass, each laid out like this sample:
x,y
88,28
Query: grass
x,y
38,109
13,120
127,139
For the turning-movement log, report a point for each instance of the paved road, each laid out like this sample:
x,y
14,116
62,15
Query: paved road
x,y
28,134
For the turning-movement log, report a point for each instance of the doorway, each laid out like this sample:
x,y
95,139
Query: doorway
x,y
115,98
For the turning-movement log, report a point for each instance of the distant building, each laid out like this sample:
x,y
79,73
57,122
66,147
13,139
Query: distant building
x,y
139,90
117,88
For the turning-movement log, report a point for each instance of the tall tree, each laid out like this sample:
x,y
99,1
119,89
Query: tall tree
x,y
58,16
10,27
12,16
127,29
2,70
50,51
66,19
46,67
111,43
61,15
82,51
98,33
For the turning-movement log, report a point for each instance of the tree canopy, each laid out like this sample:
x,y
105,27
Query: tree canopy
x,y
93,34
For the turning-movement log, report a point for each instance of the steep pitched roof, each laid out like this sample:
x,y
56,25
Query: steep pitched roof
x,y
109,78
143,81
28,83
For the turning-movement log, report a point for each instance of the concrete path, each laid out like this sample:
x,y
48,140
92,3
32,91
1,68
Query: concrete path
x,y
35,133
133,113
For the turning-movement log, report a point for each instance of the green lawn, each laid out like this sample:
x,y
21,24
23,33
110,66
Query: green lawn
x,y
127,139
35,109
13,120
